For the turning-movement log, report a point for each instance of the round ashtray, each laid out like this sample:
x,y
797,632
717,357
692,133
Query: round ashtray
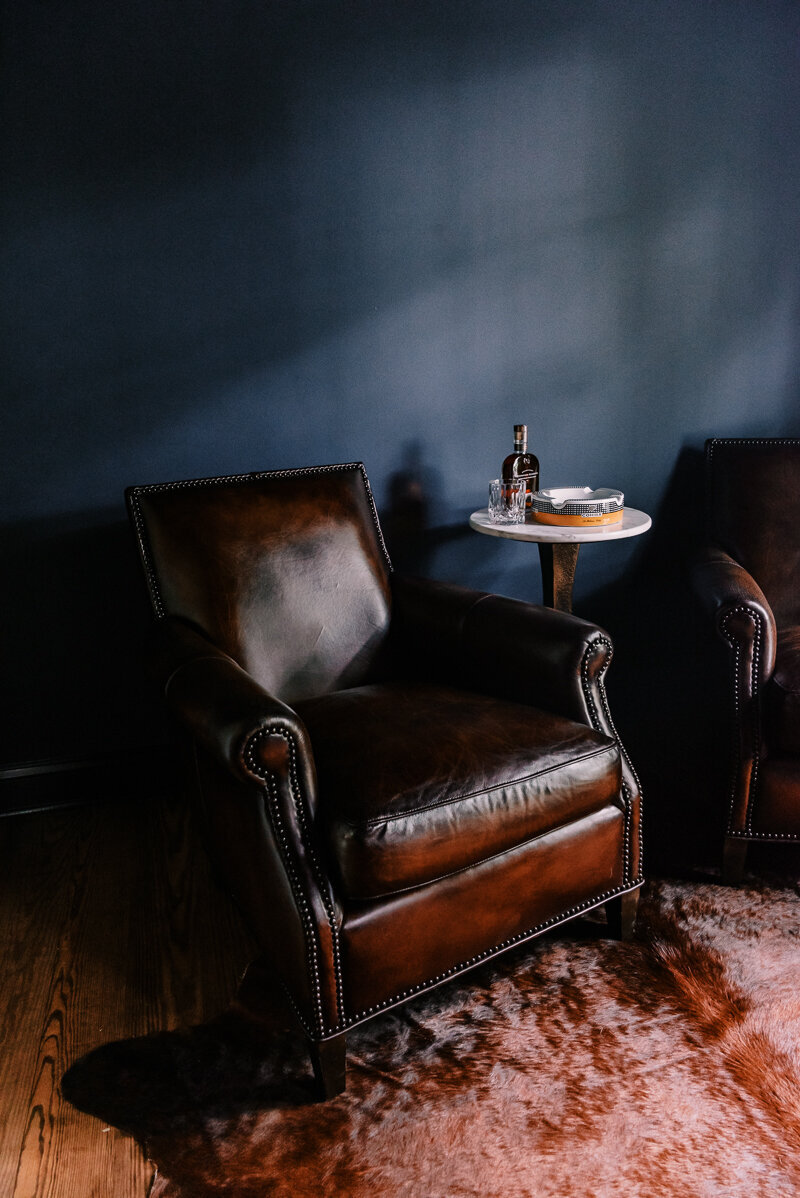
x,y
577,506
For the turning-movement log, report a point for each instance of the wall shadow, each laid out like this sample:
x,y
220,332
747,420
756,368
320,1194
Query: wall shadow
x,y
74,627
666,684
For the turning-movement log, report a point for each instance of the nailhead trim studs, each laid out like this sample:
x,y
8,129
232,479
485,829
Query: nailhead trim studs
x,y
496,949
223,480
764,835
267,778
720,444
735,644
600,727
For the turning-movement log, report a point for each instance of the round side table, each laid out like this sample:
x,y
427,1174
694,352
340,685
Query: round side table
x,y
558,547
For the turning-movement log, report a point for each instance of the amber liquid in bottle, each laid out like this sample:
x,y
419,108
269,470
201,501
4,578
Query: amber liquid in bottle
x,y
521,464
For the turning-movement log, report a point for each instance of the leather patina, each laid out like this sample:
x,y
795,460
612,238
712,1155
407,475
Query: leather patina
x,y
484,776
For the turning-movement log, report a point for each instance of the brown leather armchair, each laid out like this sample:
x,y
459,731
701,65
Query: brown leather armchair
x,y
748,578
399,778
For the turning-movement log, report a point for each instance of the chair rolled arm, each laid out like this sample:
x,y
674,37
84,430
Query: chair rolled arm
x,y
261,742
516,650
741,613
223,707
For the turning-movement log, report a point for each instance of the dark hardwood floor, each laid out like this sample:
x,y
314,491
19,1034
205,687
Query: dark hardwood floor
x,y
111,925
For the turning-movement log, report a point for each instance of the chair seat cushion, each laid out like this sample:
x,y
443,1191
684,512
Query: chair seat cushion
x,y
784,698
419,781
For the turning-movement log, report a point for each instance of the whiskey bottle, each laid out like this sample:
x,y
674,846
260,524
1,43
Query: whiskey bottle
x,y
521,464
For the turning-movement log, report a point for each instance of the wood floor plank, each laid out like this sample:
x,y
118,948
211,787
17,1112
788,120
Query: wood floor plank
x,y
205,947
40,860
94,954
111,926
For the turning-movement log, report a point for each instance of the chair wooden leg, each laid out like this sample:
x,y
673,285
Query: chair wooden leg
x,y
621,915
329,1060
734,854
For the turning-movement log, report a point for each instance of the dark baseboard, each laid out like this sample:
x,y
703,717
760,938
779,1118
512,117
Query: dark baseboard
x,y
38,769
28,787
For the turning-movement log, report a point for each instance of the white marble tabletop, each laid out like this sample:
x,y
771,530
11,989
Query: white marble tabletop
x,y
632,524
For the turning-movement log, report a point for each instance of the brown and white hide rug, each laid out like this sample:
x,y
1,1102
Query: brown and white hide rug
x,y
669,1066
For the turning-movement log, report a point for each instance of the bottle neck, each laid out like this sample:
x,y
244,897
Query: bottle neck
x,y
520,446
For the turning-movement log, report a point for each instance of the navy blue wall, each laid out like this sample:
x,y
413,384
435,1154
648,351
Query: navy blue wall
x,y
242,235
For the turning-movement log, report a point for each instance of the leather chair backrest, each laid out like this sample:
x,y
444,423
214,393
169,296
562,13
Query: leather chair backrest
x,y
286,571
753,503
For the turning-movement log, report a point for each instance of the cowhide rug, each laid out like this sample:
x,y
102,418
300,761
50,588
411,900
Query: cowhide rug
x,y
669,1066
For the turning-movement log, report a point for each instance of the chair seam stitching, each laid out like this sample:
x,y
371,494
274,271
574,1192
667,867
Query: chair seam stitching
x,y
378,821
485,860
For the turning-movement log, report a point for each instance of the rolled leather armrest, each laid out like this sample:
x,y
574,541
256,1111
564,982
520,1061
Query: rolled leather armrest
x,y
740,611
263,743
519,651
218,702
